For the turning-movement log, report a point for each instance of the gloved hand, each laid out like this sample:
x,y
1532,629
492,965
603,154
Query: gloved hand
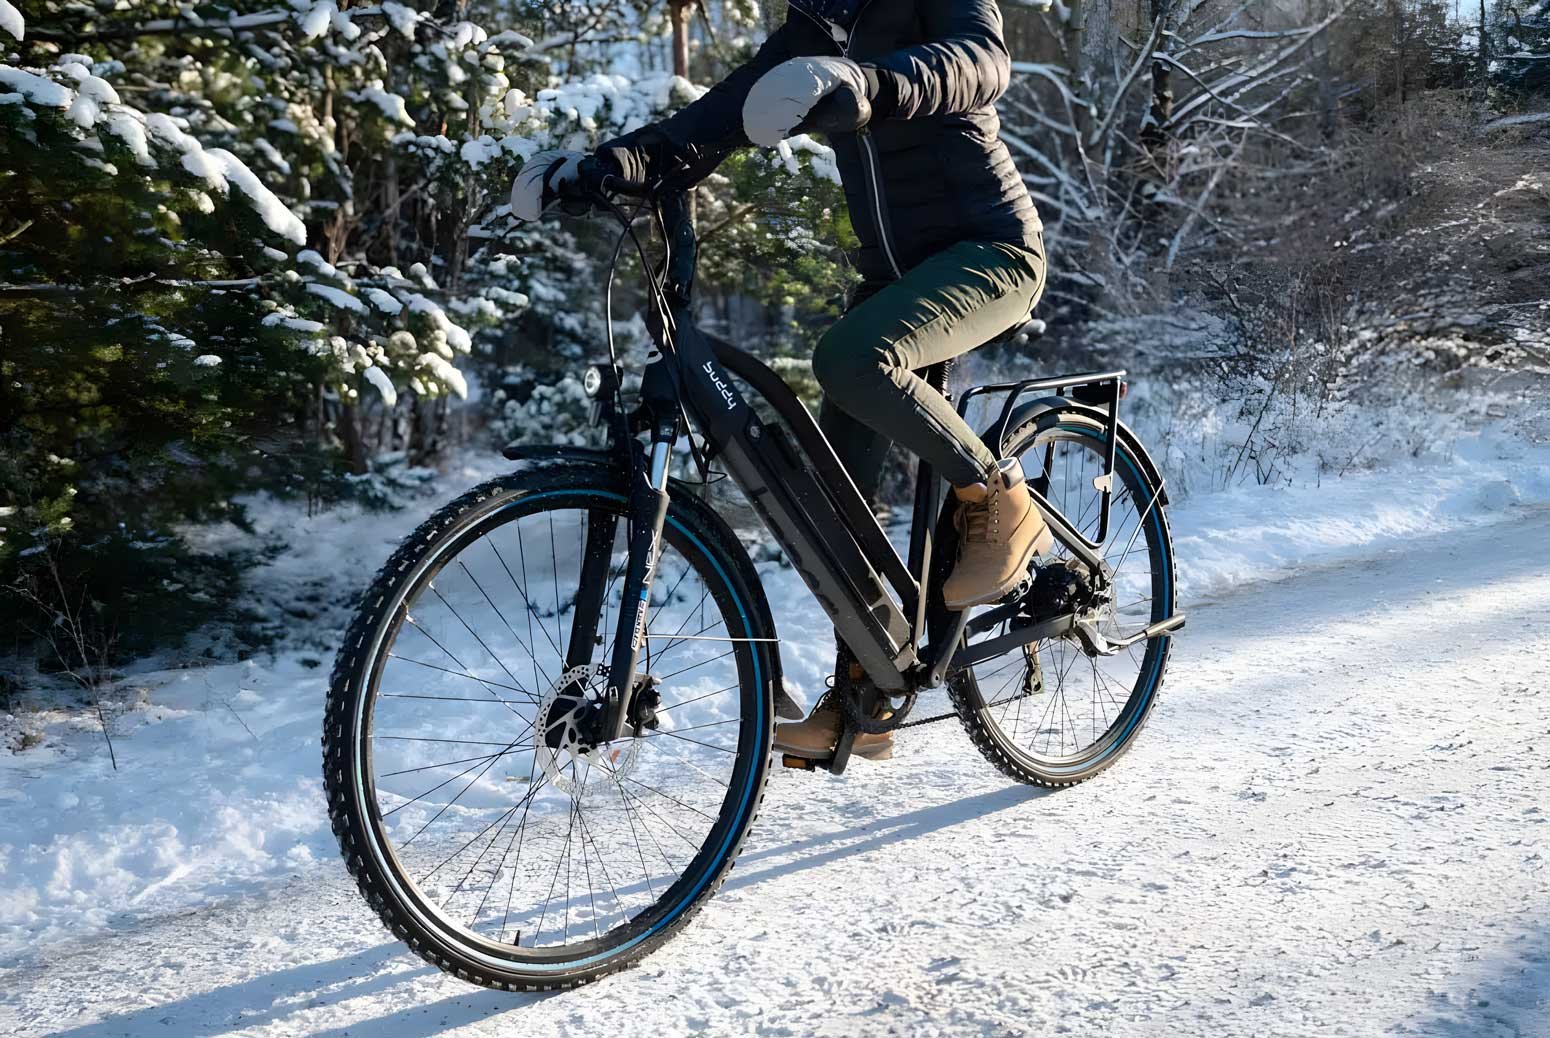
x,y
539,181
784,95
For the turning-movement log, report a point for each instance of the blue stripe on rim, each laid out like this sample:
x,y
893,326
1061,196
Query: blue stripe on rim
x,y
726,845
1155,674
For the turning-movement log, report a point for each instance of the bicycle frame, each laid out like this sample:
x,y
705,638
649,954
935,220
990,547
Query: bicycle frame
x,y
804,496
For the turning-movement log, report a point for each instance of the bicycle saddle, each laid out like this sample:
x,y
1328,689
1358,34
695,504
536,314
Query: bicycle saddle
x,y
1023,332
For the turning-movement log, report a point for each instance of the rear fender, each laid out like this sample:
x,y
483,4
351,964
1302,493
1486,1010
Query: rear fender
x,y
1043,407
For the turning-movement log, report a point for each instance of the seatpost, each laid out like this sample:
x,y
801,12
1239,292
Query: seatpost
x,y
928,504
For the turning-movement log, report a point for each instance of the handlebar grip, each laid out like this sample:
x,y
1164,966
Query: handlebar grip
x,y
598,178
844,111
612,185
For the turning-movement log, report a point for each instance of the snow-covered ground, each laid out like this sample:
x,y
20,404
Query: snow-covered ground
x,y
1331,825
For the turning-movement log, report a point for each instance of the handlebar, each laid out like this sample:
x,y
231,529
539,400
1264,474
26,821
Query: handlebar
x,y
596,179
609,185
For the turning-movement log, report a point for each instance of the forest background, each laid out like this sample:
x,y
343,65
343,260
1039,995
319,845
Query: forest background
x,y
256,249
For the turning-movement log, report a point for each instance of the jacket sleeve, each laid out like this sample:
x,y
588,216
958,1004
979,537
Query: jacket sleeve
x,y
698,136
964,66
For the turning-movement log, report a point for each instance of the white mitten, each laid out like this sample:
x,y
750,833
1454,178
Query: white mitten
x,y
784,95
539,181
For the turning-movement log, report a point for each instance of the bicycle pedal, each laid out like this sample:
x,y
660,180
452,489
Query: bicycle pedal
x,y
791,760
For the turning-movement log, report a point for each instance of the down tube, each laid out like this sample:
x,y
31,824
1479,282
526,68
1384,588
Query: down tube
x,y
820,544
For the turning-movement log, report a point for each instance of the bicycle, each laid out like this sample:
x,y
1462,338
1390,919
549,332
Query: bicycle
x,y
489,720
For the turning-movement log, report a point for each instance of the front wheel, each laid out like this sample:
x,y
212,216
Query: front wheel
x,y
476,819
1047,713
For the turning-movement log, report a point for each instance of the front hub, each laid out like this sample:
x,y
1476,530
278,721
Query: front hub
x,y
564,743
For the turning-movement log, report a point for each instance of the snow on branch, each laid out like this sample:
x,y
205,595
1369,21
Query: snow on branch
x,y
1117,104
1526,119
314,20
1245,34
11,20
92,109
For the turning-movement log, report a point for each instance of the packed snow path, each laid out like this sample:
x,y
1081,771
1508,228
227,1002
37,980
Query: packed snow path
x,y
1333,825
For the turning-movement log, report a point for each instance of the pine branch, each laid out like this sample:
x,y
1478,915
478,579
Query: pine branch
x,y
144,282
166,26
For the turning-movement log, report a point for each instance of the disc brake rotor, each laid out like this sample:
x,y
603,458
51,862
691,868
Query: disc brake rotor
x,y
569,761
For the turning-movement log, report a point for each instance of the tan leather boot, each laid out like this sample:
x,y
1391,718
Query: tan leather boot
x,y
1000,530
815,738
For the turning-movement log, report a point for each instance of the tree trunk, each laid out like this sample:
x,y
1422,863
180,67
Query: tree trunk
x,y
1329,100
347,424
1483,60
1400,49
1155,129
1074,43
679,12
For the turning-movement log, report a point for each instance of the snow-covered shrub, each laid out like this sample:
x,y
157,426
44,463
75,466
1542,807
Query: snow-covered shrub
x,y
552,412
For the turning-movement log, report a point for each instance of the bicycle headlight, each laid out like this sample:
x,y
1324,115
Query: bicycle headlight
x,y
592,381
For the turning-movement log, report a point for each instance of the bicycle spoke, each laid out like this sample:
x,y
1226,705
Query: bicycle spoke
x,y
517,836
524,646
554,562
448,804
425,738
459,673
549,897
658,792
673,706
603,867
458,699
671,827
694,666
526,602
491,760
448,763
551,864
467,670
680,738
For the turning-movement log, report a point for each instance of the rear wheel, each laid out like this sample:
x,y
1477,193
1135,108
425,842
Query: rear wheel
x,y
481,826
1048,713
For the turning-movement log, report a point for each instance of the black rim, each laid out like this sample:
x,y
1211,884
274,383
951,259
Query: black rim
x,y
496,829
1052,707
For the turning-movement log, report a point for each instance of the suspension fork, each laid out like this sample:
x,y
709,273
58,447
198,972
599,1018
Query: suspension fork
x,y
648,513
596,553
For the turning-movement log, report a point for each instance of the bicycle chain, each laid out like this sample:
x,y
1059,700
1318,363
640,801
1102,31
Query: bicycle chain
x,y
852,714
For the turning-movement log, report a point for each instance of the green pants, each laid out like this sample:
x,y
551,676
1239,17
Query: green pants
x,y
867,363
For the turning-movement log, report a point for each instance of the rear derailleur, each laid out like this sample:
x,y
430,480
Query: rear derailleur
x,y
1065,587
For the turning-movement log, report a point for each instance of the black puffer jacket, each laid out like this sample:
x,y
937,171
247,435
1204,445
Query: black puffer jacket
x,y
928,172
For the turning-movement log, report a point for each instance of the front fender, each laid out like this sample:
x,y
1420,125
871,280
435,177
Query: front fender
x,y
558,452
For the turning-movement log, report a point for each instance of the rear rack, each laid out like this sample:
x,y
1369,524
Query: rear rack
x,y
1103,388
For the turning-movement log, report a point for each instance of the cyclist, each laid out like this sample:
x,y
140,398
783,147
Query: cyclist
x,y
951,254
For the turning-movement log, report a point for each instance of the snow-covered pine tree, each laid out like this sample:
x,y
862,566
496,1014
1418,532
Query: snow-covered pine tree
x,y
242,239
